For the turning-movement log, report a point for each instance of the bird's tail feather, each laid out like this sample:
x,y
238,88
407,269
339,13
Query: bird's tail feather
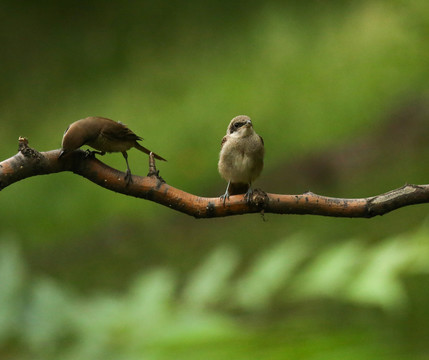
x,y
147,151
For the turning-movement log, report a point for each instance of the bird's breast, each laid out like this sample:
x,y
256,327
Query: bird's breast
x,y
240,161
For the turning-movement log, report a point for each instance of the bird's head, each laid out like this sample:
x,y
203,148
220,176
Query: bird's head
x,y
72,140
241,125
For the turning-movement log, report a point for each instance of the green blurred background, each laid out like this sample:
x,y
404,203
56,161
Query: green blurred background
x,y
338,90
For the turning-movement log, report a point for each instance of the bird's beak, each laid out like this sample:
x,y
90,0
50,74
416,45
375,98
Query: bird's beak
x,y
248,123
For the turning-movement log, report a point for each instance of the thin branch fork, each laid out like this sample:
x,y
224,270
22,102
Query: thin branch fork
x,y
29,162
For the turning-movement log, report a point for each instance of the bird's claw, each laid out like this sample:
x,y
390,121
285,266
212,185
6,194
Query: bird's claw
x,y
128,177
248,195
89,154
224,197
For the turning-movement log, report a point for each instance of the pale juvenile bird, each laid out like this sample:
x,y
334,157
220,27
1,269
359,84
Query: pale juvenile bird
x,y
241,157
104,135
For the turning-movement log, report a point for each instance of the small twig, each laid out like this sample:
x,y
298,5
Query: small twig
x,y
152,168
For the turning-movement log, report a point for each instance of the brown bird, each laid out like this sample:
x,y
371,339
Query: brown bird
x,y
104,135
241,157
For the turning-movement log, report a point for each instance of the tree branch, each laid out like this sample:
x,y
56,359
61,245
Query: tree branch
x,y
29,162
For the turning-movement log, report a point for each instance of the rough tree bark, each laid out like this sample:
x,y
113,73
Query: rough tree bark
x,y
29,162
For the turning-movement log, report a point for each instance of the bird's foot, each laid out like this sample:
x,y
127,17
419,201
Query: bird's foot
x,y
128,178
91,153
224,197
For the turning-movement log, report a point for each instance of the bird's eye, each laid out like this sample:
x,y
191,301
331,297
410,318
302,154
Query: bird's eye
x,y
238,124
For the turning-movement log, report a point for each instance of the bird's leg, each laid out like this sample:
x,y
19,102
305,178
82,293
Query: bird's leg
x,y
249,193
91,153
226,195
127,178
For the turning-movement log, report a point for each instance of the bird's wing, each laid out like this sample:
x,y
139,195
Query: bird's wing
x,y
262,140
119,133
225,138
